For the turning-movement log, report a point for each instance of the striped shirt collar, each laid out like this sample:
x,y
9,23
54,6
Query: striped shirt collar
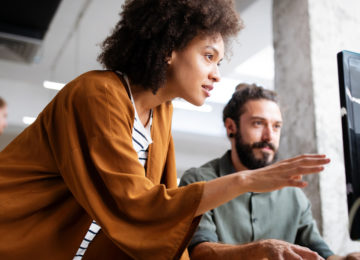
x,y
139,128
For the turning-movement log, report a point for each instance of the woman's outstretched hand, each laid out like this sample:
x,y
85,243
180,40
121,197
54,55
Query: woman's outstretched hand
x,y
284,173
273,177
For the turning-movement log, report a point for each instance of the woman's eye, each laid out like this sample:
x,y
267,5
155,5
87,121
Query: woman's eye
x,y
209,56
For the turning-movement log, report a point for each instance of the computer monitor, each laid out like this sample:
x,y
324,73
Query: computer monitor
x,y
349,83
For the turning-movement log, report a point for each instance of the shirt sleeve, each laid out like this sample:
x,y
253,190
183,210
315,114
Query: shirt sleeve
x,y
90,135
206,231
308,234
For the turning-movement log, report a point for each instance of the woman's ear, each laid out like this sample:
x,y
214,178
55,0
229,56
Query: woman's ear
x,y
170,58
230,126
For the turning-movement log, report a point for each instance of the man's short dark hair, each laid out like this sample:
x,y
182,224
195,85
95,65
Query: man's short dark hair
x,y
244,93
2,102
149,30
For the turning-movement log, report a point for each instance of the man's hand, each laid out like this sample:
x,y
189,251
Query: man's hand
x,y
353,256
270,249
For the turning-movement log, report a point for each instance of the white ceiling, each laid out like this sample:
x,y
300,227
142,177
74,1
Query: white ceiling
x,y
71,46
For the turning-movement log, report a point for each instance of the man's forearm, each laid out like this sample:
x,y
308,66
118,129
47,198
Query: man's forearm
x,y
264,249
216,251
352,256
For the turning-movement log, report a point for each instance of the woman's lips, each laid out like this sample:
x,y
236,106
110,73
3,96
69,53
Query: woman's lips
x,y
207,89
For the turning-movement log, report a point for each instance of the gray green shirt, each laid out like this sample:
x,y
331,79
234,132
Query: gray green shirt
x,y
284,214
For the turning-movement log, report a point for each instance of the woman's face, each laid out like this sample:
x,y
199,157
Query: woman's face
x,y
194,69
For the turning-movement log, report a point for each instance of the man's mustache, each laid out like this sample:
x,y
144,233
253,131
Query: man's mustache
x,y
263,144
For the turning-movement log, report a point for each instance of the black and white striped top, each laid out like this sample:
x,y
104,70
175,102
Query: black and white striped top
x,y
141,139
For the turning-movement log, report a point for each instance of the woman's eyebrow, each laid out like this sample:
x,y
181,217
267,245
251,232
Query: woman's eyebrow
x,y
215,50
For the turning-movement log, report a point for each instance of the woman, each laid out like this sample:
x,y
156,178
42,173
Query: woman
x,y
102,149
3,115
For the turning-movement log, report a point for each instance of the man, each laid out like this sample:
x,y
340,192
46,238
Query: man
x,y
3,115
280,222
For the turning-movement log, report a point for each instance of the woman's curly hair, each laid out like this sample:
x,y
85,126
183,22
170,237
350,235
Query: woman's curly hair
x,y
150,30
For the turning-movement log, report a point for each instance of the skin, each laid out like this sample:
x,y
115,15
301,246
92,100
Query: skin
x,y
352,256
3,119
261,121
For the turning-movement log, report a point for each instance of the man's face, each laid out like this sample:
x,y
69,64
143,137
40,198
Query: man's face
x,y
3,119
258,136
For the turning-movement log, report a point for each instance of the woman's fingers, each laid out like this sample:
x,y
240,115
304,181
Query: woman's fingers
x,y
304,165
306,156
312,161
297,183
302,170
286,173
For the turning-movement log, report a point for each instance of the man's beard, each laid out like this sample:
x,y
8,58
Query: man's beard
x,y
246,154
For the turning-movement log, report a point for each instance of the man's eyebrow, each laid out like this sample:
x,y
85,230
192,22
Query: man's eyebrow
x,y
264,119
258,117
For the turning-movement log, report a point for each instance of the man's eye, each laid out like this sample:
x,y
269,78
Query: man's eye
x,y
257,123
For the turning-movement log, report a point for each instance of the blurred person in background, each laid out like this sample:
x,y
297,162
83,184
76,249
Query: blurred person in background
x,y
3,115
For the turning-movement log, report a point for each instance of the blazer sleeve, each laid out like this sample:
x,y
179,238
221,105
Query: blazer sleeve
x,y
90,125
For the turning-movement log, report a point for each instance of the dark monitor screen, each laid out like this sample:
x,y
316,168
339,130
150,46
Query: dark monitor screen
x,y
349,83
27,18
